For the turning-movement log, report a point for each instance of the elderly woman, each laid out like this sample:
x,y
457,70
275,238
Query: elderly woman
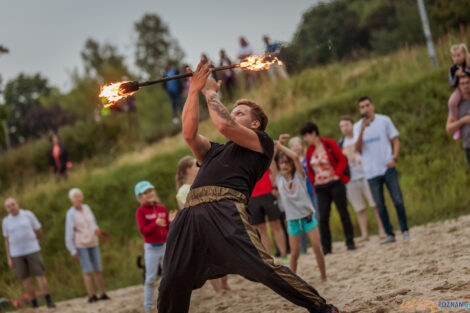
x,y
81,239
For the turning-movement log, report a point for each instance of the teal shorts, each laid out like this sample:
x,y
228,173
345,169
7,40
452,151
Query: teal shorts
x,y
297,227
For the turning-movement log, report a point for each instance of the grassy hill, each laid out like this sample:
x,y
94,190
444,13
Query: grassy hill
x,y
402,85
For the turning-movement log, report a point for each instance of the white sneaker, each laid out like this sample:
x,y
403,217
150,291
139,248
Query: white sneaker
x,y
176,120
406,236
388,239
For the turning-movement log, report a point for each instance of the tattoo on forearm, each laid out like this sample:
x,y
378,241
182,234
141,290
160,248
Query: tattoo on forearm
x,y
214,103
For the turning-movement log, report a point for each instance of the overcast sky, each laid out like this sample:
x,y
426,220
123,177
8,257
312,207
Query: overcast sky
x,y
47,36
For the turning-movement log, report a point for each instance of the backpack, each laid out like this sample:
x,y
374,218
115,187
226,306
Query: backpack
x,y
347,170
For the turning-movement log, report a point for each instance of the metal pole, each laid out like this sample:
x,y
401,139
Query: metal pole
x,y
427,33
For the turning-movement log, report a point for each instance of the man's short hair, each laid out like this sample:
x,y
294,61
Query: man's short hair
x,y
364,98
346,118
257,113
309,128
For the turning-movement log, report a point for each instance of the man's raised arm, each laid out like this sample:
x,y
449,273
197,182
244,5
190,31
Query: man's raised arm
x,y
224,122
198,144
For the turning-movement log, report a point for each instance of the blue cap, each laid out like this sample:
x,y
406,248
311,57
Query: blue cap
x,y
142,186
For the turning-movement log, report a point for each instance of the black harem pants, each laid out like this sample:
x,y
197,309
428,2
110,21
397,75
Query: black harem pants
x,y
212,237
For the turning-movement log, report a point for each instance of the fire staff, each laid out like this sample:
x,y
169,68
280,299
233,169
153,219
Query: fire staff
x,y
211,237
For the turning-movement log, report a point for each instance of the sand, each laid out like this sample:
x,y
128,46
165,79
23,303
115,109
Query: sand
x,y
434,265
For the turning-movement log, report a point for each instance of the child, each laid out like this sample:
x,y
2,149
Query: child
x,y
461,63
294,199
185,175
153,222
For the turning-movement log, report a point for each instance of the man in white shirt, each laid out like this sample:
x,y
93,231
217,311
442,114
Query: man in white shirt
x,y
379,145
21,230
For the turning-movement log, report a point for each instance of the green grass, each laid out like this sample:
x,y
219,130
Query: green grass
x,y
402,85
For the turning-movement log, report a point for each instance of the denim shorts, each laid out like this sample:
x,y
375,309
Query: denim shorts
x,y
296,227
90,259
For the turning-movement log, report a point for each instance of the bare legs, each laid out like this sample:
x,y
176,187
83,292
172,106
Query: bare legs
x,y
278,234
220,284
314,237
29,287
43,285
294,243
279,237
362,219
98,276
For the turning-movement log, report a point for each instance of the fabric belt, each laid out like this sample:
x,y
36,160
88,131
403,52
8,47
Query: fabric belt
x,y
212,194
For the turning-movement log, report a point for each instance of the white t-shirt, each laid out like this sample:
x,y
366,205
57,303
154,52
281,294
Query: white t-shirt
x,y
293,197
245,50
354,159
376,146
20,232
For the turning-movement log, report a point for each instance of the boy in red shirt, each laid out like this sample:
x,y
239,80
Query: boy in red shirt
x,y
153,222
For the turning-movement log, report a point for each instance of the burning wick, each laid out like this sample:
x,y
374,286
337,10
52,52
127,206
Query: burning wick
x,y
112,93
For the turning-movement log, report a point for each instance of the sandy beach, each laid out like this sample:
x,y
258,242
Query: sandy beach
x,y
399,277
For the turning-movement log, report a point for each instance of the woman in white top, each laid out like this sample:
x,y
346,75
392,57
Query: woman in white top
x,y
294,199
81,239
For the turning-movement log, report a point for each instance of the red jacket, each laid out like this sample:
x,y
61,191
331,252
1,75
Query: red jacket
x,y
338,161
146,216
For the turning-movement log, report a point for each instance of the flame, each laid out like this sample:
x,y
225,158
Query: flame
x,y
113,93
258,63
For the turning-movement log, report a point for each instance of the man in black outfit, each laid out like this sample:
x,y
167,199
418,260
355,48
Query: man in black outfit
x,y
212,237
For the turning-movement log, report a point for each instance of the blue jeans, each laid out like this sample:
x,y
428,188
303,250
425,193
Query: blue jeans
x,y
390,179
90,259
153,256
176,103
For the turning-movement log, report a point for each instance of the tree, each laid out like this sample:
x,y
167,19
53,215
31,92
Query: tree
x,y
155,45
103,61
22,94
449,14
40,120
328,31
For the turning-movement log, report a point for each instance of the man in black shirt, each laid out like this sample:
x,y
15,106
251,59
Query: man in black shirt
x,y
212,237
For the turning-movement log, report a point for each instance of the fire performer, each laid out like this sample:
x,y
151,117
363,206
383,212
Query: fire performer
x,y
212,237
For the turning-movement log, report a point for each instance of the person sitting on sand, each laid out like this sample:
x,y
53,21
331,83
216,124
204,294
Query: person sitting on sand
x,y
81,239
